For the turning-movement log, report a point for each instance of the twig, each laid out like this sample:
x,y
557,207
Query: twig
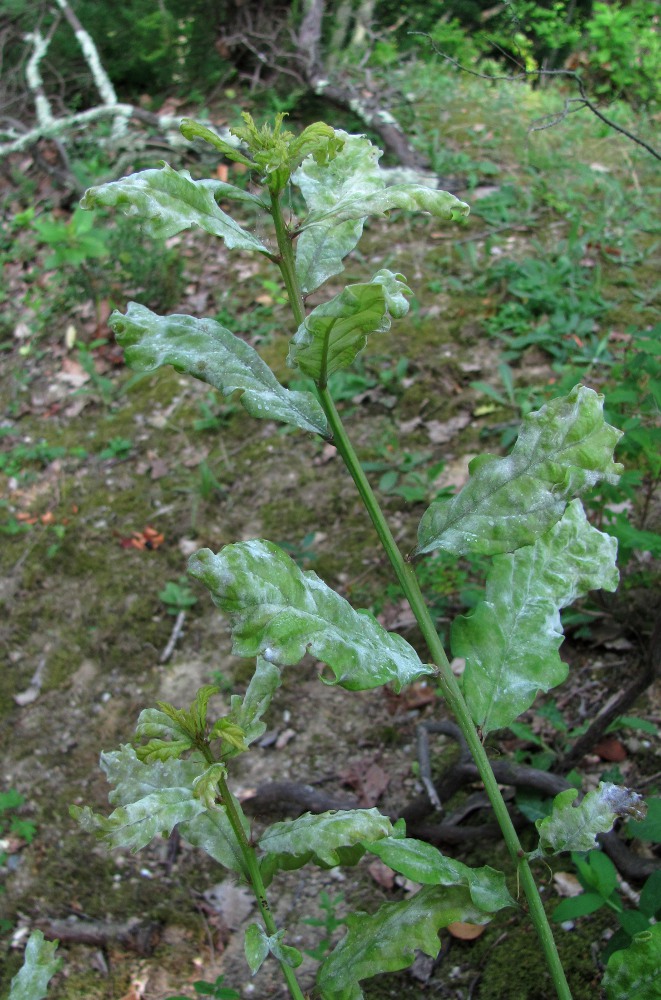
x,y
175,635
570,74
282,797
619,703
139,935
31,693
422,734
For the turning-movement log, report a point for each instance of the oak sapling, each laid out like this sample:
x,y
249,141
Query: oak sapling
x,y
522,511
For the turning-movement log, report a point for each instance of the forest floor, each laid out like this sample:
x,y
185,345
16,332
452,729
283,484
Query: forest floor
x,y
112,481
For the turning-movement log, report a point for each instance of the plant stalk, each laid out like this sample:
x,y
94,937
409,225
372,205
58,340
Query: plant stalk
x,y
453,695
255,877
411,588
286,263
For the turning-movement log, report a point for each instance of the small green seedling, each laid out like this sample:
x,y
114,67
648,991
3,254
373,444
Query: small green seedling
x,y
72,243
598,876
177,596
118,448
216,990
11,824
329,923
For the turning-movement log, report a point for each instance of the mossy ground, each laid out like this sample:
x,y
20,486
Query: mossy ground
x,y
82,603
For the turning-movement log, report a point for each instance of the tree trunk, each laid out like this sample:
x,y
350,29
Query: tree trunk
x,y
369,110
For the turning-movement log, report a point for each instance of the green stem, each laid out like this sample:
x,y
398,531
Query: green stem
x,y
286,263
255,876
411,588
455,699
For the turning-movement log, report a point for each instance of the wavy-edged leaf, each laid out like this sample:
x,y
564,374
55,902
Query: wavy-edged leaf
x,y
153,723
137,823
511,640
562,450
633,972
341,194
280,612
222,191
320,836
423,863
232,736
336,331
137,782
387,940
39,967
206,786
325,242
190,129
208,351
411,198
247,711
168,201
212,832
162,750
574,827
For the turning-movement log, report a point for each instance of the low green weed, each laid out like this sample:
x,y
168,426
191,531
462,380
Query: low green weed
x,y
634,400
72,243
22,461
13,825
598,877
202,490
95,262
213,414
99,385
548,750
329,924
118,448
10,822
407,475
177,596
522,400
203,988
553,303
521,514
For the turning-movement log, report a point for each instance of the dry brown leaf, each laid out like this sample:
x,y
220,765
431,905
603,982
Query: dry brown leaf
x,y
612,750
368,779
466,932
382,875
159,468
567,884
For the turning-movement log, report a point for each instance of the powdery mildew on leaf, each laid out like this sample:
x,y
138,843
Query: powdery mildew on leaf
x,y
39,966
573,827
210,352
153,798
247,711
423,863
563,449
321,835
387,940
336,331
168,201
281,613
340,196
511,639
137,823
633,972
